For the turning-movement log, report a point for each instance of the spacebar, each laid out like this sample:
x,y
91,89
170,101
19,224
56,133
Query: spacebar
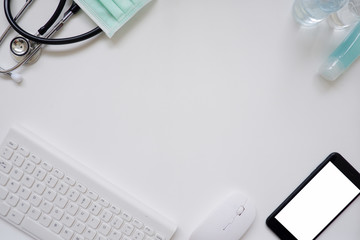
x,y
38,231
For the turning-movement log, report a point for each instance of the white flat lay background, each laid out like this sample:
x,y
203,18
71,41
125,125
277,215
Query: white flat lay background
x,y
191,100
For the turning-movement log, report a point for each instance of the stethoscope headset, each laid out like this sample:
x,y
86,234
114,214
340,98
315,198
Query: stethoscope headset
x,y
26,48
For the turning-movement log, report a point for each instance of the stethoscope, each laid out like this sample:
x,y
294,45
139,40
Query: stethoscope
x,y
26,48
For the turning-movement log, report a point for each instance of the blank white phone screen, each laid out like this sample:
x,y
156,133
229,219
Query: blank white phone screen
x,y
318,203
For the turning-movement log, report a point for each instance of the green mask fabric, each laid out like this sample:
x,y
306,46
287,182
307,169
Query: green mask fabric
x,y
111,15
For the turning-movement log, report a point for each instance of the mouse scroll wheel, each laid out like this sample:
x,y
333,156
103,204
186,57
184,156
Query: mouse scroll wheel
x,y
240,210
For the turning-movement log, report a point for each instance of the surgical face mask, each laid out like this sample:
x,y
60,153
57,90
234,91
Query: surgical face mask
x,y
110,15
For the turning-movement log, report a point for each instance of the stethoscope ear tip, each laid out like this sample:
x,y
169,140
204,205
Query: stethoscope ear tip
x,y
16,77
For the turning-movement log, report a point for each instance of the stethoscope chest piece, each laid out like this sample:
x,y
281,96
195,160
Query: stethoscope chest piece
x,y
27,47
21,47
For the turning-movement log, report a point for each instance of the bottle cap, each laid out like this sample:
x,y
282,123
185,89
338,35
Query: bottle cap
x,y
331,69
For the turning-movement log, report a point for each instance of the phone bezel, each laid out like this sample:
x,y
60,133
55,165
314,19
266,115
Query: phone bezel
x,y
344,166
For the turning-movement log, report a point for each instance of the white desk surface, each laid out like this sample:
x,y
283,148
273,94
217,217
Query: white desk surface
x,y
190,100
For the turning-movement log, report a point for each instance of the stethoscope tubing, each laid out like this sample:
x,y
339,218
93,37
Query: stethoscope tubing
x,y
60,41
53,30
17,17
5,33
40,41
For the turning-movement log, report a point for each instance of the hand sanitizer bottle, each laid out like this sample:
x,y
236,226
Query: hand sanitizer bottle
x,y
311,12
343,56
347,16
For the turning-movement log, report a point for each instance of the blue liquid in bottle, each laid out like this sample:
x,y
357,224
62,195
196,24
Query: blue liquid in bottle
x,y
311,12
343,56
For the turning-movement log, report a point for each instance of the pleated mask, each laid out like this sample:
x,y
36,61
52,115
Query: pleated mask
x,y
111,15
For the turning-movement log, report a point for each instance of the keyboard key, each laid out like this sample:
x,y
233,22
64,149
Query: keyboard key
x,y
84,202
16,174
12,200
49,195
39,188
17,159
95,209
126,216
115,209
69,181
73,195
46,207
35,199
24,151
3,193
4,209
92,195
57,213
137,223
116,222
28,181
23,206
34,158
57,173
3,179
106,216
114,235
83,215
13,186
6,152
103,202
79,227
89,234
47,166
60,201
56,227
149,231
104,229
45,220
127,229
93,222
5,166
159,237
34,213
99,237
138,235
78,237
28,167
61,187
13,145
68,220
24,193
72,208
15,216
39,174
66,234
81,188
51,181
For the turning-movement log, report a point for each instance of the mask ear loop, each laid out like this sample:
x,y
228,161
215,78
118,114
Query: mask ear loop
x,y
60,41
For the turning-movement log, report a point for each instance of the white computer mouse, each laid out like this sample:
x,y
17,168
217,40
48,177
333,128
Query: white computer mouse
x,y
228,221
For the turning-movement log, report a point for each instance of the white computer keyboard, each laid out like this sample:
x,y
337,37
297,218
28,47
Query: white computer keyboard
x,y
51,197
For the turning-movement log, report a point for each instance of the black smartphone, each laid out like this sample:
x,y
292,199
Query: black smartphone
x,y
329,189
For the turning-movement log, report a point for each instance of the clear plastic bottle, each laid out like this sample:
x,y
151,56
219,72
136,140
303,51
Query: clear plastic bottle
x,y
347,16
311,12
343,56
